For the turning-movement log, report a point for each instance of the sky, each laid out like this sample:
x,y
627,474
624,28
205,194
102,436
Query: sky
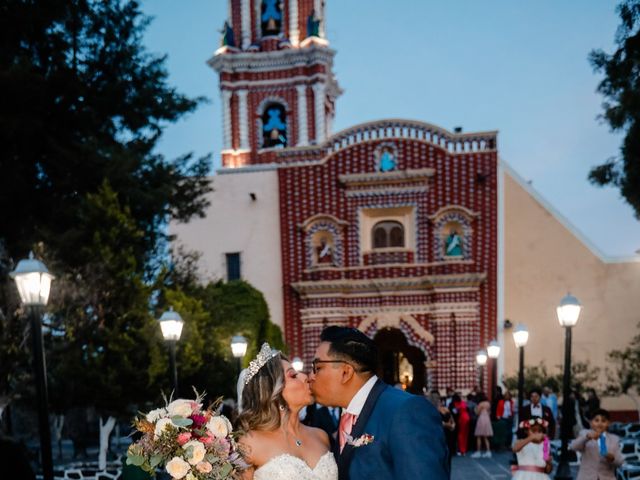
x,y
517,67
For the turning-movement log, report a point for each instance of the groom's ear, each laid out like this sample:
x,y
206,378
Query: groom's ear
x,y
347,373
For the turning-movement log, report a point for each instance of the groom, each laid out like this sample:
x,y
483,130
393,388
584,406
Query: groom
x,y
408,439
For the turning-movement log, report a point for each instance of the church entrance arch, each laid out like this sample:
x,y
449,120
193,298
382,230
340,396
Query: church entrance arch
x,y
404,349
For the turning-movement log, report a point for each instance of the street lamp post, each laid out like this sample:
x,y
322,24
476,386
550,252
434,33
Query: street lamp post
x,y
568,312
34,283
171,324
493,350
481,360
520,337
239,349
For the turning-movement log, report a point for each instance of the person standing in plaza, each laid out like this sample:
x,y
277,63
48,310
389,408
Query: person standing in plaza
x,y
600,450
463,422
483,431
536,409
448,423
505,412
550,399
533,451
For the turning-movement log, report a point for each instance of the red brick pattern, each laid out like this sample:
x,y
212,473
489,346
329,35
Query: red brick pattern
x,y
315,189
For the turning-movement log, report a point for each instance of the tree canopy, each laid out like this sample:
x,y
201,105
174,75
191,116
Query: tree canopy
x,y
621,90
83,102
83,108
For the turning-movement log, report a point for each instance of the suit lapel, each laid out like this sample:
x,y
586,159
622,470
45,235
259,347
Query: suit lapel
x,y
363,418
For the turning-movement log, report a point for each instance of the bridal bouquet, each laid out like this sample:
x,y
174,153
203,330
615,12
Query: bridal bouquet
x,y
189,442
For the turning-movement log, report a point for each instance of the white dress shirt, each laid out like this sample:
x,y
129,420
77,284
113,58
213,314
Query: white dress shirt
x,y
536,410
357,402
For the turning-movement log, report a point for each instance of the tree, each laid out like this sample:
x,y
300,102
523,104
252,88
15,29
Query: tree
x,y
621,89
84,106
213,313
104,333
583,376
624,379
84,102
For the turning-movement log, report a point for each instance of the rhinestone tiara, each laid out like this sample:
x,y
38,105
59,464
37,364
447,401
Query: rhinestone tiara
x,y
265,354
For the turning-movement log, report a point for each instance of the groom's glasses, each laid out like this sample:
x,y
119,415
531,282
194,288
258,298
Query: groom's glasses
x,y
315,362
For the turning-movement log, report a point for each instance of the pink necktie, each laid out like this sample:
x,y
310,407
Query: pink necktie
x,y
346,424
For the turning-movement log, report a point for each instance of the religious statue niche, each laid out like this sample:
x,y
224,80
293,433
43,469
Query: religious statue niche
x,y
453,242
271,17
453,233
313,24
386,157
323,246
274,126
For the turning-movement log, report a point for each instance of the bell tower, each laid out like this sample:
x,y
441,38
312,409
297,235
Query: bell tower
x,y
277,84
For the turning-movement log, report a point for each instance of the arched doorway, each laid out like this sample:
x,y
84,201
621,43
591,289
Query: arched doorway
x,y
399,361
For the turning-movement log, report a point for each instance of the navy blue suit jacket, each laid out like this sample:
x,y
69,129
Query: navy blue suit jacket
x,y
408,440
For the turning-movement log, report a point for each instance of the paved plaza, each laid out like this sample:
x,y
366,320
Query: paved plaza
x,y
495,468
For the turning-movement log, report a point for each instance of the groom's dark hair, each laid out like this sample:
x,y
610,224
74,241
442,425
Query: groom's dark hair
x,y
352,345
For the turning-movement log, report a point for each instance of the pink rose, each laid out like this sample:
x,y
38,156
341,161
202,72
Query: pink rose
x,y
206,439
184,438
204,467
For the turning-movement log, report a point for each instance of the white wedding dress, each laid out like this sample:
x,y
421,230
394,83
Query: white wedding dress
x,y
289,467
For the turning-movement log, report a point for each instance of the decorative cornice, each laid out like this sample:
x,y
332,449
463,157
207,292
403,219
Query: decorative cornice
x,y
463,310
319,217
386,178
278,60
454,208
387,285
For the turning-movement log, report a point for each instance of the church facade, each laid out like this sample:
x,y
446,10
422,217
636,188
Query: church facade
x,y
395,227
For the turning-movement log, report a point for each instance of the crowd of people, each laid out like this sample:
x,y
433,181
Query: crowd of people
x,y
475,424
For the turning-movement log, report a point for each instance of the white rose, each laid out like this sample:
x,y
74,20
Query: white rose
x,y
219,426
177,467
155,415
197,451
180,407
161,426
191,476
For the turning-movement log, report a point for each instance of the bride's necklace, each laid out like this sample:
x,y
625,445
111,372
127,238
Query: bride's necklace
x,y
297,441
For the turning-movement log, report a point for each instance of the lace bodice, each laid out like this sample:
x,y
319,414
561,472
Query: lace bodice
x,y
290,467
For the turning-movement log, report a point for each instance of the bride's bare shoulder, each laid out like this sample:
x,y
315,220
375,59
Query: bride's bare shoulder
x,y
255,446
319,435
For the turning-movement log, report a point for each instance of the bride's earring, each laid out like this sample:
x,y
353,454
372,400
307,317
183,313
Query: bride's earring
x,y
282,408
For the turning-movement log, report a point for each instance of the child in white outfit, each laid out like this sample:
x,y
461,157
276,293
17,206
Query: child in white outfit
x,y
534,456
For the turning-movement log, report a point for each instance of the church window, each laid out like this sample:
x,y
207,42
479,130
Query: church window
x,y
271,17
387,234
233,266
274,126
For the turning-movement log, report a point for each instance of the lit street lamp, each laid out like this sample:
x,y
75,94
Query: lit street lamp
x,y
239,349
568,312
297,364
34,283
171,324
520,337
481,360
493,350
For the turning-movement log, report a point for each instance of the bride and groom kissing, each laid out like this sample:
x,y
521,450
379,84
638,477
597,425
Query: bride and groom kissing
x,y
384,432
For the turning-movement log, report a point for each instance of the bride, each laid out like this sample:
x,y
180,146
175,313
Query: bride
x,y
273,441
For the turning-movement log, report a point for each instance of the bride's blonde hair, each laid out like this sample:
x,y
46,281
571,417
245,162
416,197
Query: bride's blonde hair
x,y
262,400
